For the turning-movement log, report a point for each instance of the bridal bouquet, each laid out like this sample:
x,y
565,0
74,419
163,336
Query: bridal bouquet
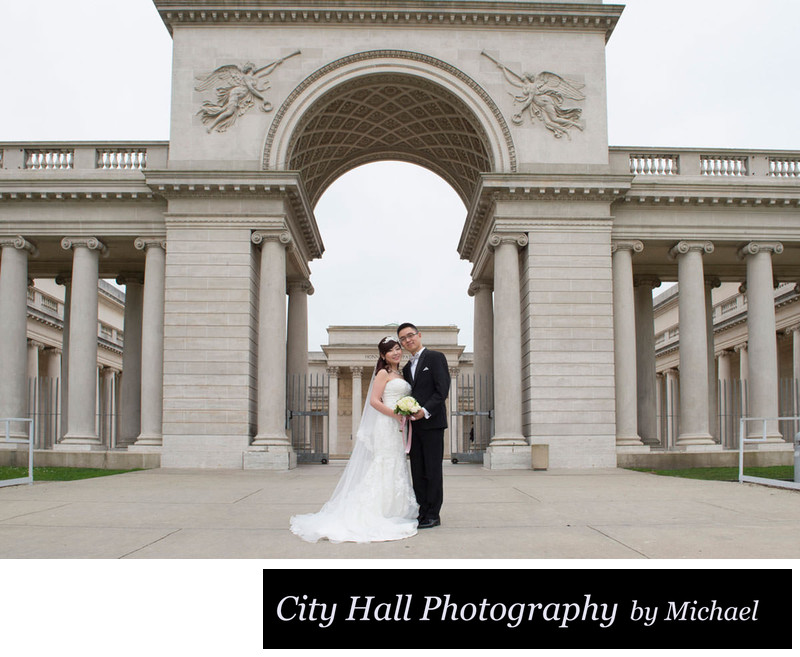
x,y
407,406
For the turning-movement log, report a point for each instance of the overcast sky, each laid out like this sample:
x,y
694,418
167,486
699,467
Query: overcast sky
x,y
704,73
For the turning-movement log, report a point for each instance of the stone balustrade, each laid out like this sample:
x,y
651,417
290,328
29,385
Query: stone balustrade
x,y
707,163
40,156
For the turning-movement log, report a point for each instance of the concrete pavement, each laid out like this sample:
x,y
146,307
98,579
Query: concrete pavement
x,y
587,514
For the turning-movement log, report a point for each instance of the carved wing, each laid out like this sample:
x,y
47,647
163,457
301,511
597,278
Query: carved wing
x,y
225,76
547,82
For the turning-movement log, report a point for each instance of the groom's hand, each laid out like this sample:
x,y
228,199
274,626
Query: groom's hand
x,y
418,415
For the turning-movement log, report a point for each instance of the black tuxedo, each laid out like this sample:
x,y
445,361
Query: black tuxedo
x,y
430,387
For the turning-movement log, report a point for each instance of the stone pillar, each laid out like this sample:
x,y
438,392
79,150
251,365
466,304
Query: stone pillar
x,y
130,394
795,332
14,252
660,406
508,448
357,403
271,448
646,382
66,281
694,427
761,341
744,376
81,430
671,395
483,326
107,406
297,336
725,399
713,401
625,341
152,386
483,363
333,410
34,349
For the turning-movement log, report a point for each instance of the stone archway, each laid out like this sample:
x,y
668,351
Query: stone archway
x,y
398,105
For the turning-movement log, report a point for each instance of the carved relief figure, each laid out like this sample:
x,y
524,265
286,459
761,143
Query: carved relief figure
x,y
238,89
543,96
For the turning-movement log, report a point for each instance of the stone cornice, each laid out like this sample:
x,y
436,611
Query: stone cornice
x,y
237,185
724,193
415,14
556,188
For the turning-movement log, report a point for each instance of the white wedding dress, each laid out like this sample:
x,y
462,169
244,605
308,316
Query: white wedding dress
x,y
374,499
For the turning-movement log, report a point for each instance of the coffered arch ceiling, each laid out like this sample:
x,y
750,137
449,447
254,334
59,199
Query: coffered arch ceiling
x,y
389,116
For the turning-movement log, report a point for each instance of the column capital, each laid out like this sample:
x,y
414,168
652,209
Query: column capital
x,y
261,236
712,281
91,243
685,246
723,352
635,246
477,286
300,285
357,371
496,239
454,371
649,281
144,243
39,346
739,348
791,329
333,371
130,277
63,279
20,243
752,248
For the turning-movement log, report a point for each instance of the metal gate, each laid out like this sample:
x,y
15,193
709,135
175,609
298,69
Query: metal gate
x,y
306,416
472,417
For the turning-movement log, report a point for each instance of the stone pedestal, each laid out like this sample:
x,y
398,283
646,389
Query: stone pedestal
x,y
270,457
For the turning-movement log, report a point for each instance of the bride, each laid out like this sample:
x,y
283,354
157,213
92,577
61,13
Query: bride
x,y
374,499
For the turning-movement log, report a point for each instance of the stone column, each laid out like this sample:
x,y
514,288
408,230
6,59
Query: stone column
x,y
107,406
508,447
357,403
81,430
646,382
130,394
761,339
713,401
333,410
625,341
297,336
694,427
795,332
671,395
725,398
483,363
483,326
744,376
271,448
66,281
14,252
152,393
660,407
34,349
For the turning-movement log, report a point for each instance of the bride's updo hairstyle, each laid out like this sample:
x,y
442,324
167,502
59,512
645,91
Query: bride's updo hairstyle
x,y
384,347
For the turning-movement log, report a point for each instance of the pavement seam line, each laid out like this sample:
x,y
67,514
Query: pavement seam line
x,y
602,533
158,540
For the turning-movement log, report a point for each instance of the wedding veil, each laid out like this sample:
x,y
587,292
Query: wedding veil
x,y
362,454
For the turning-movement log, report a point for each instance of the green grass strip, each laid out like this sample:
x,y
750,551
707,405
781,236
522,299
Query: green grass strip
x,y
57,474
780,472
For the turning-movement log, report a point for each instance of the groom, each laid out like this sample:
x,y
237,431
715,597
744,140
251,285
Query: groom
x,y
429,376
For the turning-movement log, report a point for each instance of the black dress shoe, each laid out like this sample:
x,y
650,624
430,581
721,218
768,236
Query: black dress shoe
x,y
430,522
